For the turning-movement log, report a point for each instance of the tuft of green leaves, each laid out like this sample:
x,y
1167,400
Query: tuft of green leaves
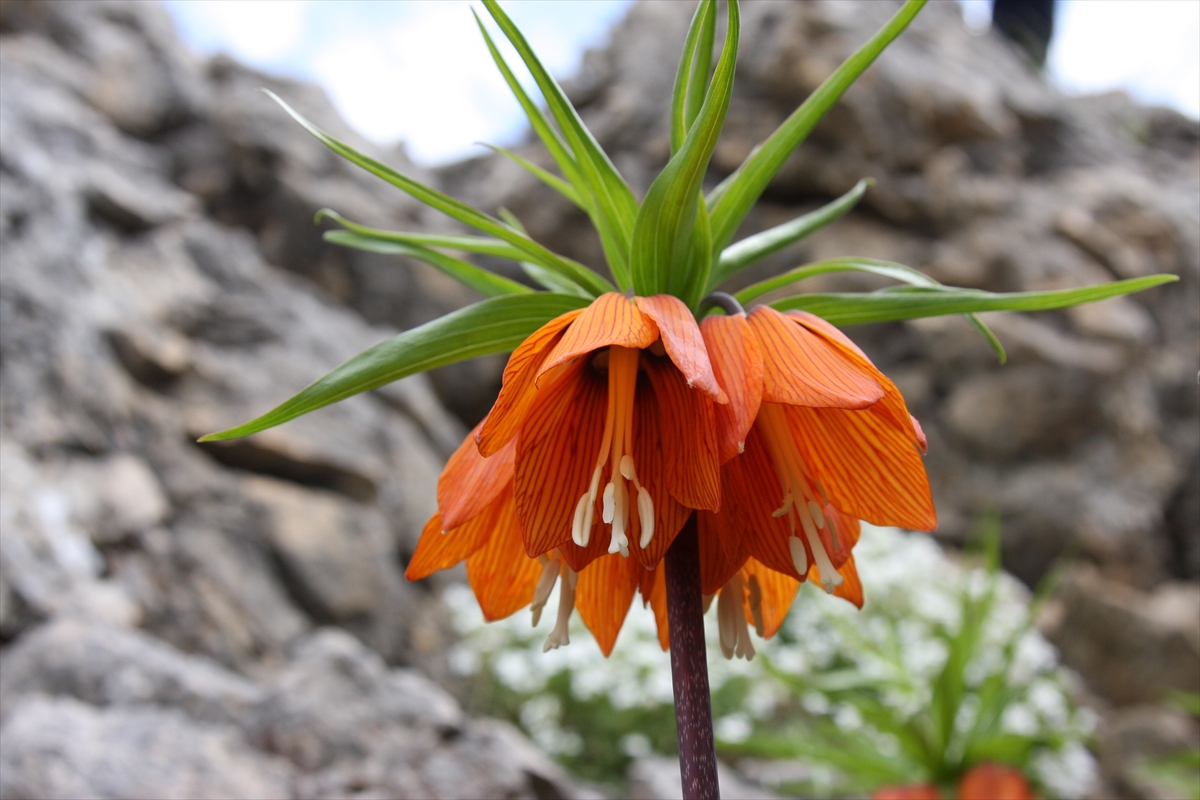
x,y
676,241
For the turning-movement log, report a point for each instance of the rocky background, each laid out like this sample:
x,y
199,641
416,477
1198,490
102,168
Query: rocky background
x,y
229,621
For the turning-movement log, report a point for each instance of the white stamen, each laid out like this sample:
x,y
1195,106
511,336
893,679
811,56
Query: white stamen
x,y
610,505
645,516
627,468
799,557
817,514
545,585
566,604
620,518
578,535
788,502
826,574
756,604
731,621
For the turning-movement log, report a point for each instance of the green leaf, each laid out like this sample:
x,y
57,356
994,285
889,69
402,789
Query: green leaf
x,y
614,204
860,309
540,275
662,258
491,326
691,78
466,273
484,245
733,198
887,269
550,179
455,208
760,245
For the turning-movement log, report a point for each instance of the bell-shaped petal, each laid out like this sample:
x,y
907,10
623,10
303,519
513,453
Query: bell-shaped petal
x,y
682,340
870,468
603,596
691,461
501,575
470,482
738,365
800,368
611,319
556,452
518,384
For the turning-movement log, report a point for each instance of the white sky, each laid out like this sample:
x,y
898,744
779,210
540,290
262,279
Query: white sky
x,y
419,70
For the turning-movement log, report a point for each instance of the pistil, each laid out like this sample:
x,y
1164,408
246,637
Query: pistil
x,y
566,604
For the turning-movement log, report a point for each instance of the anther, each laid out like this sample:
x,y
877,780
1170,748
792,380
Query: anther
x,y
545,585
799,557
645,516
566,604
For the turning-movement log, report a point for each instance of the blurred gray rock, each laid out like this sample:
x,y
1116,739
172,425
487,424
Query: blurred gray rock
x,y
61,747
658,778
1129,646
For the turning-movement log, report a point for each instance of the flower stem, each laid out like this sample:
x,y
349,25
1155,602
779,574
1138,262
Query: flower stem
x,y
689,667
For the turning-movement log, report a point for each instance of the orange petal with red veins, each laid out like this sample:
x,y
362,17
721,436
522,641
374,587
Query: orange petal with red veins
x,y
669,514
848,530
604,594
994,782
501,575
654,592
738,365
682,340
470,482
851,588
437,550
517,388
892,405
777,592
751,495
869,468
800,368
611,319
722,550
691,462
556,453
918,791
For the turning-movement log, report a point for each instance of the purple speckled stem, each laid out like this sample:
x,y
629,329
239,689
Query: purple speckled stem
x,y
689,667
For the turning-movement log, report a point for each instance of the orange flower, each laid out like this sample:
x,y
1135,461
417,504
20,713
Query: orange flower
x,y
813,439
605,419
920,791
994,782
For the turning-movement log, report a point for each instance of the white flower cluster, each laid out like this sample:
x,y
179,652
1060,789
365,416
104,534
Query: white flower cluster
x,y
912,591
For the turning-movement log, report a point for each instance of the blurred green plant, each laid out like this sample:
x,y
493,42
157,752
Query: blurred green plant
x,y
1178,772
941,670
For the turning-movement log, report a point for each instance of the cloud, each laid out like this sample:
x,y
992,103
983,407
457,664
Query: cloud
x,y
1150,48
255,31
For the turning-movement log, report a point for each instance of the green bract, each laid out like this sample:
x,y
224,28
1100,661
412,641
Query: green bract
x,y
677,240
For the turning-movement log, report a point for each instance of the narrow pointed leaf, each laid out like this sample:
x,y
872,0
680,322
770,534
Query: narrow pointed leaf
x,y
550,179
466,273
691,78
540,275
454,208
614,204
491,326
733,198
537,120
615,246
859,309
484,245
887,269
753,248
663,238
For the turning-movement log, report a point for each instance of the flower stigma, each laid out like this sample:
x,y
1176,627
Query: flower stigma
x,y
800,492
616,449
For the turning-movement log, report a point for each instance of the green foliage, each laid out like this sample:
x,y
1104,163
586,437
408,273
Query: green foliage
x,y
492,326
